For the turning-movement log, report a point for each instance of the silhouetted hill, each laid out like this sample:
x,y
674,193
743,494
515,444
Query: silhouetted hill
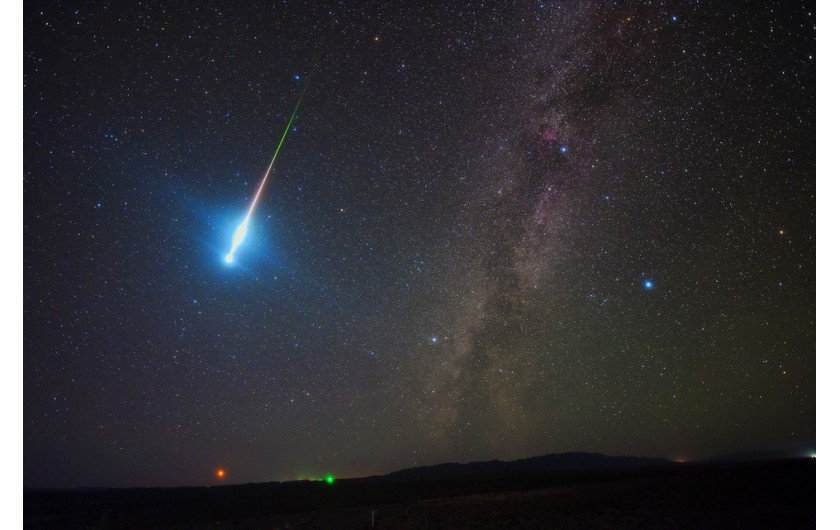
x,y
538,465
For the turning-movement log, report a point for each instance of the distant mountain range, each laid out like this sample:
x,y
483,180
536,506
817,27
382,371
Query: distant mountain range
x,y
539,465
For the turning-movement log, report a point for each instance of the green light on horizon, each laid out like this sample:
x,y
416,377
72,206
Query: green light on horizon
x,y
330,479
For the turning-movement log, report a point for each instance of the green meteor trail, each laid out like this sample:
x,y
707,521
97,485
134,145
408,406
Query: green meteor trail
x,y
239,235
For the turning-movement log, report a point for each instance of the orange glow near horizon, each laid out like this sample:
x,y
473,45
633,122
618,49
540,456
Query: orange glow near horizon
x,y
220,473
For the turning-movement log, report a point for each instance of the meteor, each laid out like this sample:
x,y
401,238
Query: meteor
x,y
242,230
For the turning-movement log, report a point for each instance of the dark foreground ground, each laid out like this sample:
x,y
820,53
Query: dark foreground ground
x,y
766,495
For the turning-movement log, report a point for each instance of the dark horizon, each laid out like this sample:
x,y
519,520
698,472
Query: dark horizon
x,y
493,231
777,494
574,461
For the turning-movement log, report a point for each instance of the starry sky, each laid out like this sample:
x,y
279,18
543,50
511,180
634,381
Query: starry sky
x,y
495,230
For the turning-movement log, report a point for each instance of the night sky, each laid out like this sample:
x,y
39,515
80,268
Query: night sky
x,y
494,231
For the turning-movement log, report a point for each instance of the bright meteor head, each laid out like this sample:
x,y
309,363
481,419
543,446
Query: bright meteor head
x,y
238,238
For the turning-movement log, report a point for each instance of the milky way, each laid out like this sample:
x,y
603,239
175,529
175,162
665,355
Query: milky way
x,y
498,231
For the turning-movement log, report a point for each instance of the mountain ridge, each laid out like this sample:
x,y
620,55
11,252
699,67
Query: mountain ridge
x,y
550,463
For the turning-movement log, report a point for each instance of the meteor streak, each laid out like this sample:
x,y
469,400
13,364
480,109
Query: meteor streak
x,y
239,235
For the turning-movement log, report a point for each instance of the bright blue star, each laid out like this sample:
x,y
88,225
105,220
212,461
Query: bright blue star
x,y
433,339
674,18
648,285
564,149
297,77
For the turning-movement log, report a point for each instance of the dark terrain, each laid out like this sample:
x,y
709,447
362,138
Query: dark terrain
x,y
576,490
